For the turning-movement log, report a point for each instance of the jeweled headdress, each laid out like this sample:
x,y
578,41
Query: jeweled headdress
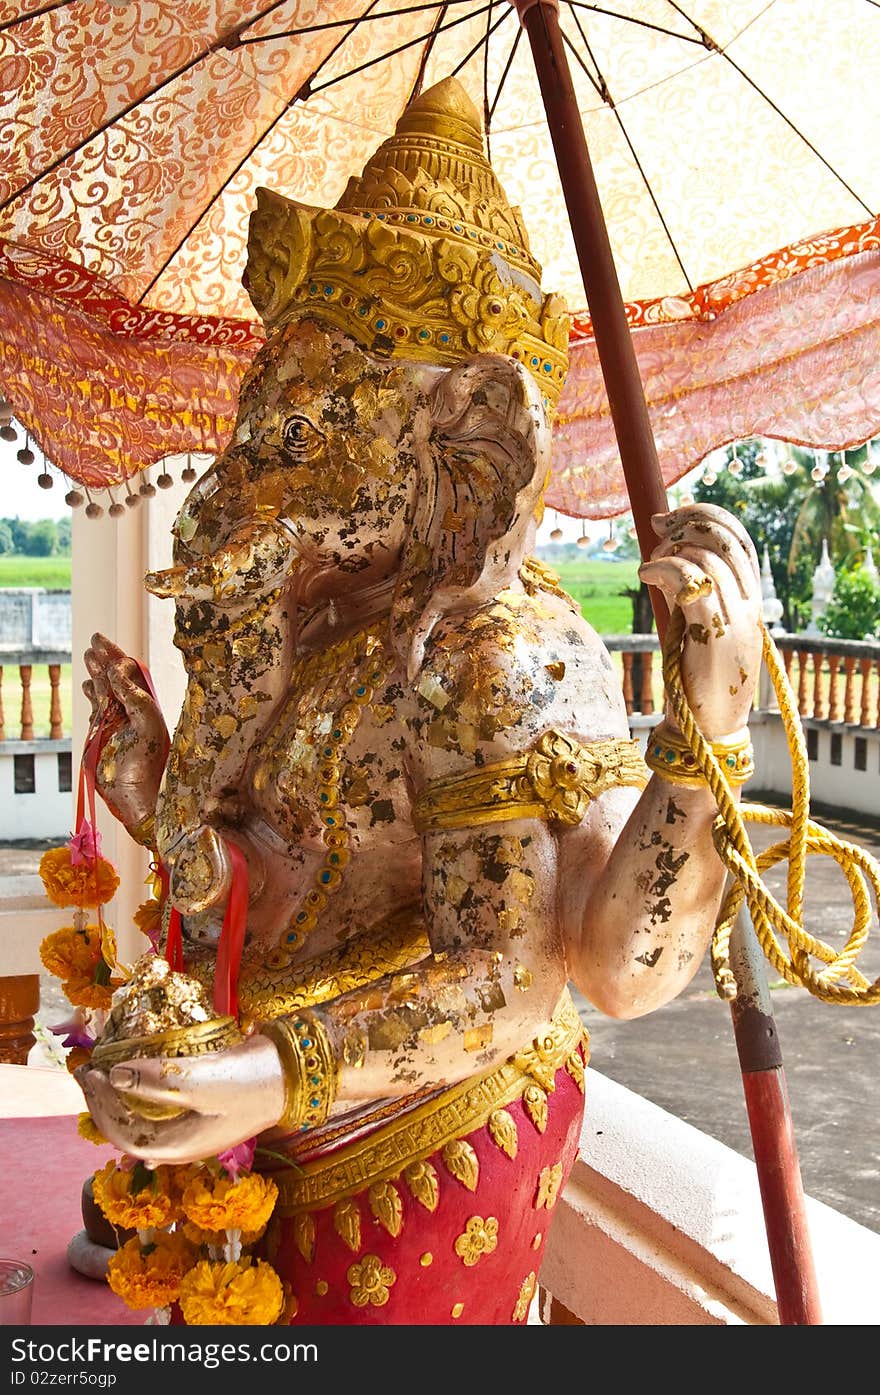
x,y
423,257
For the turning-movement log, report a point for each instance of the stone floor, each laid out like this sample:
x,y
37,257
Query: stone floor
x,y
683,1057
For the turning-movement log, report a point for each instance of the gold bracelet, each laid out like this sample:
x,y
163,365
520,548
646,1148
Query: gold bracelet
x,y
145,832
669,755
311,1071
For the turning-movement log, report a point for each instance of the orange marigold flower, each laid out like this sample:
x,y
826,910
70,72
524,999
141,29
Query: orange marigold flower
x,y
71,953
148,917
86,1126
150,1276
137,1200
85,885
79,1056
221,1204
83,992
245,1294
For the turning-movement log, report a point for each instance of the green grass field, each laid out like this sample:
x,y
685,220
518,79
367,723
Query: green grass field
x,y
597,587
35,571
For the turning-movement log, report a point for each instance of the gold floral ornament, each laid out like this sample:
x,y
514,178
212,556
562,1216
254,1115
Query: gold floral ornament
x,y
479,1237
138,1198
219,1203
422,258
245,1293
526,1294
549,1182
75,954
86,884
370,1282
150,1276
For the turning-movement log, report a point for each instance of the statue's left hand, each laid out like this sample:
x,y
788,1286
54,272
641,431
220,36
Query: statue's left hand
x,y
706,564
226,1096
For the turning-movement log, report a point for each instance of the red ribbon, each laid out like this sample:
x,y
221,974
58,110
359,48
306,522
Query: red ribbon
x,y
231,936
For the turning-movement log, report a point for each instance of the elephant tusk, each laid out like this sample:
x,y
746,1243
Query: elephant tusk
x,y
171,582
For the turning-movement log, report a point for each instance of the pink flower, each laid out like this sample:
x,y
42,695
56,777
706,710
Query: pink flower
x,y
238,1159
85,845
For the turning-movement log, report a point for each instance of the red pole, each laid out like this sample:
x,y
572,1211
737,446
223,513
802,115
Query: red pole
x,y
763,1080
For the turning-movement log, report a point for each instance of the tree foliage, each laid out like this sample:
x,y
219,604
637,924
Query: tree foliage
x,y
47,537
853,611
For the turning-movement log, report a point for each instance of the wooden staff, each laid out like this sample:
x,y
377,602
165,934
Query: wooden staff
x,y
757,1041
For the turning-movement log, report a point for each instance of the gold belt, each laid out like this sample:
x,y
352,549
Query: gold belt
x,y
556,780
398,1147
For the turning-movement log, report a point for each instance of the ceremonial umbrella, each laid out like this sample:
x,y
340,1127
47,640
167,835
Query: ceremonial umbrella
x,y
733,144
730,224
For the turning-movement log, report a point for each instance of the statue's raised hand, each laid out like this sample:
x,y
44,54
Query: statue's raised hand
x,y
706,564
133,757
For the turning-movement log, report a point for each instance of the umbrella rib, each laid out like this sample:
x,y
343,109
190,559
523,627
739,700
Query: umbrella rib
x,y
598,82
302,93
716,48
380,58
356,19
642,23
35,14
487,113
423,61
610,102
507,67
485,40
221,42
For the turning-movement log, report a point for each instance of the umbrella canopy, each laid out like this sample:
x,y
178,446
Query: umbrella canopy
x,y
727,140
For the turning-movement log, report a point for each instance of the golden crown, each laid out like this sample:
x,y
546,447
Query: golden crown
x,y
422,257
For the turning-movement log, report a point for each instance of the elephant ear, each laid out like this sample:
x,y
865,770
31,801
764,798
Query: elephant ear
x,y
482,454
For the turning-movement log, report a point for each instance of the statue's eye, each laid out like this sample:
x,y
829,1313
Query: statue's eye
x,y
300,435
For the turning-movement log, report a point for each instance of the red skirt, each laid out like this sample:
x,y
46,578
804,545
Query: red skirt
x,y
440,1215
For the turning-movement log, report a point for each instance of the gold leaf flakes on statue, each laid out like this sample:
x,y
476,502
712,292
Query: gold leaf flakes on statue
x,y
479,1237
526,1294
422,1180
502,1131
462,1162
549,1182
304,1236
370,1282
386,1206
478,1037
347,1223
535,1104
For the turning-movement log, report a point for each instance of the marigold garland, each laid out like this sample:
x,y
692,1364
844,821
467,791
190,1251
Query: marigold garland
x,y
75,954
78,1056
85,1124
148,918
138,1199
221,1204
246,1293
89,883
197,1236
150,1276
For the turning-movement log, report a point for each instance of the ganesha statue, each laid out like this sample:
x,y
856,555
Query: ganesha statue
x,y
406,754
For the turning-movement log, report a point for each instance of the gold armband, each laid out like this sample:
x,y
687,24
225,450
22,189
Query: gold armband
x,y
145,832
311,1070
556,780
670,755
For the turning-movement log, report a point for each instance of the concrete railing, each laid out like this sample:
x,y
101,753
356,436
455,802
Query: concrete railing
x,y
661,1225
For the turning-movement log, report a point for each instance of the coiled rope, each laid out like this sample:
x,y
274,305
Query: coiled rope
x,y
784,940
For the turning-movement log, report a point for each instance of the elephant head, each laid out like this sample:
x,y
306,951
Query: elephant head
x,y
390,450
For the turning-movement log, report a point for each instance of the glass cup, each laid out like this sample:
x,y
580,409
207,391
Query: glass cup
x,y
16,1292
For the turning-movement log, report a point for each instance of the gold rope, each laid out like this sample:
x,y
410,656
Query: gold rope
x,y
841,981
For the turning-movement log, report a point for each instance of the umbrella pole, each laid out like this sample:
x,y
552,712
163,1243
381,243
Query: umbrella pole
x,y
766,1097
